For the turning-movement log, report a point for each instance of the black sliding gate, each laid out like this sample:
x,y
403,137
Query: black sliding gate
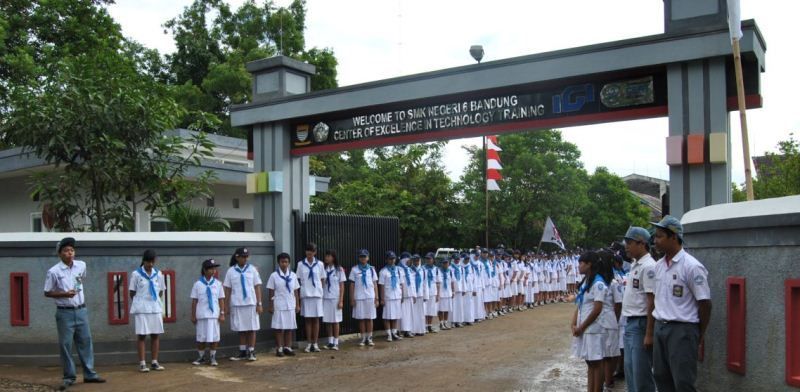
x,y
347,234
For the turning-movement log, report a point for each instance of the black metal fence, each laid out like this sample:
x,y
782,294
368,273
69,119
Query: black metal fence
x,y
347,234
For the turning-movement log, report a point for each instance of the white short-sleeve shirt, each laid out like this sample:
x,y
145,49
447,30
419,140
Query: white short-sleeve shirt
x,y
311,287
639,282
283,297
143,301
678,288
385,280
62,278
333,276
362,291
233,281
431,278
446,289
199,293
596,293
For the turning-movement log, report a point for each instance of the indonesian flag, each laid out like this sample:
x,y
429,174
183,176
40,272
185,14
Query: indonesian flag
x,y
551,234
493,165
735,19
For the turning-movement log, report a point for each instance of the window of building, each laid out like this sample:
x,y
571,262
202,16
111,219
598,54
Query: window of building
x,y
210,202
235,203
20,314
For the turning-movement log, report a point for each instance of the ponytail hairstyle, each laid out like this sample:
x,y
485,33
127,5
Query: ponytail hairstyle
x,y
594,261
332,253
233,261
605,267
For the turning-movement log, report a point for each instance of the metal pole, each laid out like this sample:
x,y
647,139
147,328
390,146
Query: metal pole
x,y
486,188
737,61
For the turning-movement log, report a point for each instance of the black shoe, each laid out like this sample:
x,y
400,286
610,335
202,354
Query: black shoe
x,y
242,356
288,352
280,354
96,380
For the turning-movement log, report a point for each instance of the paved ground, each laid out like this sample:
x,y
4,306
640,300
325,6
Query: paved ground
x,y
526,351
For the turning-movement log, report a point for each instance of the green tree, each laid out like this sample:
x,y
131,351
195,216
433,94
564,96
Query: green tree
x,y
100,123
611,209
781,176
183,217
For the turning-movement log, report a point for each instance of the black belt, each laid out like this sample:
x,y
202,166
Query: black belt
x,y
71,307
635,317
676,322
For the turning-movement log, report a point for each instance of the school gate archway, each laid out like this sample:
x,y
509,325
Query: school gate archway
x,y
685,74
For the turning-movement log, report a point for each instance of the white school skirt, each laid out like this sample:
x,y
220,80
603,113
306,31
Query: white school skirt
x,y
418,316
406,319
207,330
245,318
432,307
535,287
611,346
469,309
392,309
446,304
589,346
148,323
506,291
330,311
284,319
365,309
311,307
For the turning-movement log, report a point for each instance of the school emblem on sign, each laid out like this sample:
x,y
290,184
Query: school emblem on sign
x,y
321,132
301,133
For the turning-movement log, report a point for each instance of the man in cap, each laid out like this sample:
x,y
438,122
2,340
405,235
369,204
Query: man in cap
x,y
637,307
64,283
682,310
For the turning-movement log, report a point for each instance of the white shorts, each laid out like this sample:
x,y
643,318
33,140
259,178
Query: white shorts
x,y
284,319
148,323
245,318
365,309
446,304
392,309
311,307
207,330
330,311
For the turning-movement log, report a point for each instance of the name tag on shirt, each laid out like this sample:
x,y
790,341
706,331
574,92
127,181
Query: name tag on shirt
x,y
677,290
636,283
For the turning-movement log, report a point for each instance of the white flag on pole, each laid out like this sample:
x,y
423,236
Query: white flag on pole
x,y
551,234
735,19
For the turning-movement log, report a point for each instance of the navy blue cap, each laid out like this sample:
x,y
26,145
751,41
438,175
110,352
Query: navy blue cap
x,y
484,250
415,256
454,256
429,255
405,255
390,254
363,252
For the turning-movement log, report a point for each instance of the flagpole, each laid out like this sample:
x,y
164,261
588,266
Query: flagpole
x,y
486,189
737,61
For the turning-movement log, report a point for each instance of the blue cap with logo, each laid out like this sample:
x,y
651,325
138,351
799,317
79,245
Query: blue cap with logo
x,y
637,234
429,255
363,253
405,255
672,224
390,254
415,257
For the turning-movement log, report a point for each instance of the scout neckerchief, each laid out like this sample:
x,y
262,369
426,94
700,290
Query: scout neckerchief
x,y
466,271
364,269
489,271
445,273
618,273
241,272
417,277
328,277
457,270
210,297
585,287
311,271
429,274
286,279
393,270
149,279
408,275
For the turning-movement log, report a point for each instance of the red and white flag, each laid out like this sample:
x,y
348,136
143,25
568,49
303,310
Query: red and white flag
x,y
551,234
493,165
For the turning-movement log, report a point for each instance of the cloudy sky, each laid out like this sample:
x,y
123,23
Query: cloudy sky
x,y
379,39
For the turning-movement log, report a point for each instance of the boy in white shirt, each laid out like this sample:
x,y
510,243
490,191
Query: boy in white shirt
x,y
284,303
311,275
364,296
208,310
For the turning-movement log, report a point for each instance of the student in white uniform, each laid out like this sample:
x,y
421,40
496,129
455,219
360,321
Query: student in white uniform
x,y
208,310
333,298
311,275
446,294
486,278
619,294
409,296
469,288
364,296
418,308
243,295
283,303
457,315
587,324
146,289
478,306
390,282
609,319
433,282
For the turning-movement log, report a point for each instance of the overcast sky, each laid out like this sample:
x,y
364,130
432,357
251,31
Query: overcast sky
x,y
380,39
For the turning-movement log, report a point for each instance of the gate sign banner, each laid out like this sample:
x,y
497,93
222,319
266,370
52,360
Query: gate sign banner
x,y
553,105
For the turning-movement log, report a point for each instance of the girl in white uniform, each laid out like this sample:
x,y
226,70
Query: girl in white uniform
x,y
418,308
208,310
587,325
284,304
333,298
364,296
390,281
409,294
311,274
445,294
478,307
243,293
146,289
433,282
469,288
488,288
457,315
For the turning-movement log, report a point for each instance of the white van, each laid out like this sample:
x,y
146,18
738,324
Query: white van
x,y
444,253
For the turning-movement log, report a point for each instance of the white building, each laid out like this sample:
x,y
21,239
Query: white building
x,y
21,213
